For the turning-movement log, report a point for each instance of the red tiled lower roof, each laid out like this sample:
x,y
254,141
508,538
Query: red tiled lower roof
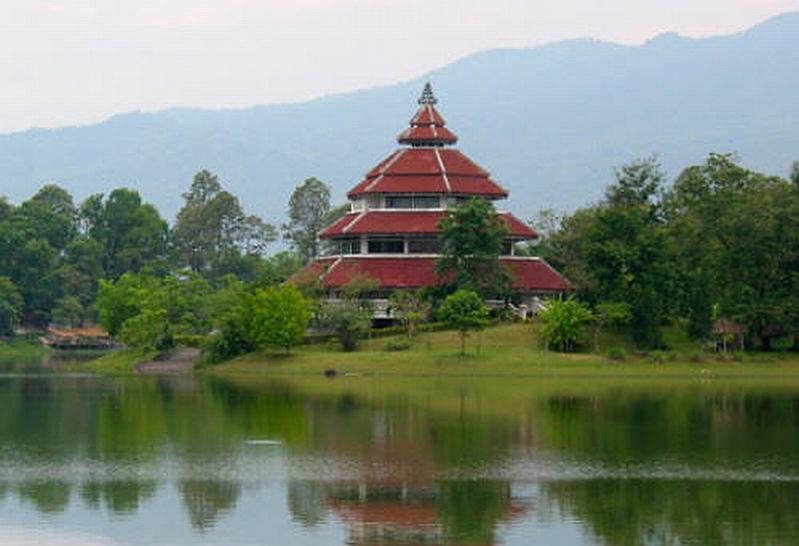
x,y
386,222
528,274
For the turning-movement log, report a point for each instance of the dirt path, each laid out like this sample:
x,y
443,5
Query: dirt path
x,y
174,362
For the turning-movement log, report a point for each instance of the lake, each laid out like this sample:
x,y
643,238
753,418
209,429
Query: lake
x,y
356,460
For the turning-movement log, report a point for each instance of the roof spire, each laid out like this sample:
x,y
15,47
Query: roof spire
x,y
427,95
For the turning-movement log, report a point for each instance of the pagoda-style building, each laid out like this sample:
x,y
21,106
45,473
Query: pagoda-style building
x,y
391,232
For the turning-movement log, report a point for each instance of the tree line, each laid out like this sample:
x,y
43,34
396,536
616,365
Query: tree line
x,y
57,255
721,242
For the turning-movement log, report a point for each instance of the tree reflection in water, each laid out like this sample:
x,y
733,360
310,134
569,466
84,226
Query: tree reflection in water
x,y
436,466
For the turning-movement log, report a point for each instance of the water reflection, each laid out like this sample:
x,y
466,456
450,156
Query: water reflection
x,y
450,462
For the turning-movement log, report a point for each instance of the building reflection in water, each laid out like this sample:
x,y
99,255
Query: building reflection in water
x,y
410,512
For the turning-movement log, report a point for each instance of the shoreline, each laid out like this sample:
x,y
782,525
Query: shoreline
x,y
506,351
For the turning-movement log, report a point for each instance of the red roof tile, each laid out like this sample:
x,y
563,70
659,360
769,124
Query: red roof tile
x,y
427,134
428,115
465,185
534,274
529,274
407,222
455,163
389,272
423,170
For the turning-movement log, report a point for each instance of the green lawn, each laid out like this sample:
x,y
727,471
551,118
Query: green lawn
x,y
509,350
116,362
19,348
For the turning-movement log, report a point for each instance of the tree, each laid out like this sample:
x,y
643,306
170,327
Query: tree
x,y
618,251
734,235
562,323
464,311
50,214
131,233
211,229
123,299
607,314
309,208
69,312
472,235
795,173
410,309
10,307
281,317
149,330
350,316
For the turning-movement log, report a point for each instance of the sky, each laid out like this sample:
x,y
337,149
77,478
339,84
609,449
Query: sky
x,y
74,62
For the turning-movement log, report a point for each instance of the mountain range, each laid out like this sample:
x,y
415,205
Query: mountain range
x,y
551,123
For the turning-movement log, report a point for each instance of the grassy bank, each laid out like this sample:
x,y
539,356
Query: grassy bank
x,y
116,362
22,348
508,350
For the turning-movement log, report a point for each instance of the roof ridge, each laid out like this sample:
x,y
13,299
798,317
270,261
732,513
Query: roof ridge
x,y
443,170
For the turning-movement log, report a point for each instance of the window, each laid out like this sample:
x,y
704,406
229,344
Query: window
x,y
386,246
351,246
507,247
399,202
412,202
424,246
426,202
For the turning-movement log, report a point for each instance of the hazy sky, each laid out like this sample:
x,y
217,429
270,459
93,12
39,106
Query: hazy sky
x,y
78,61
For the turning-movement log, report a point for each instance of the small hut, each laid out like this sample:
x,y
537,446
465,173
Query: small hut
x,y
728,335
77,338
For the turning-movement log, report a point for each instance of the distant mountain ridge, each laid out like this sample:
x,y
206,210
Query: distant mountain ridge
x,y
551,123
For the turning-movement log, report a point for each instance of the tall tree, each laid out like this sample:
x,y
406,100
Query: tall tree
x,y
212,228
472,235
309,209
617,251
736,238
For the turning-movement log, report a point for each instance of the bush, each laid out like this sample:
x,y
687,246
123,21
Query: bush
x,y
233,336
464,310
190,340
349,320
563,322
150,329
617,353
395,346
281,316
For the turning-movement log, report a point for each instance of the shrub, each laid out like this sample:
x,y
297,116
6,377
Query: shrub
x,y
349,320
563,322
464,311
281,316
617,353
150,329
395,346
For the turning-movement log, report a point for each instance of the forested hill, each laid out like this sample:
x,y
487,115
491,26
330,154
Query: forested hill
x,y
550,122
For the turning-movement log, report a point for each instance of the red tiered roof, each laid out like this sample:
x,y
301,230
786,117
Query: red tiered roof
x,y
411,272
429,170
428,167
425,167
401,222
